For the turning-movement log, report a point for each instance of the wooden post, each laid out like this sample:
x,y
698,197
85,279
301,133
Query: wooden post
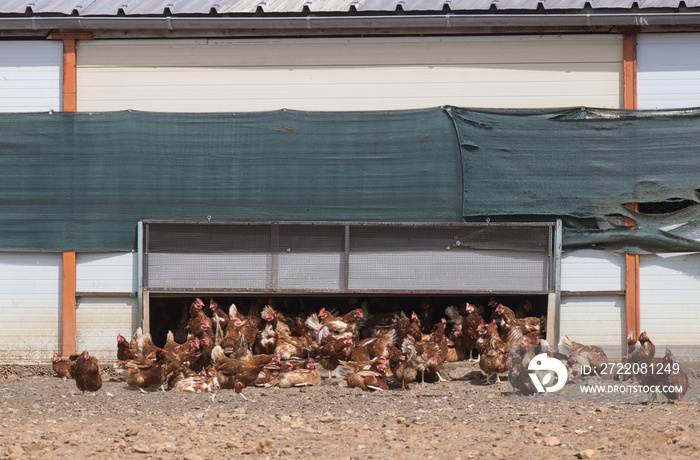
x,y
70,104
629,89
69,76
629,69
68,304
632,284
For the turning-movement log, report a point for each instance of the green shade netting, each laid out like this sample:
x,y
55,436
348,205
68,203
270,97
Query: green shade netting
x,y
81,182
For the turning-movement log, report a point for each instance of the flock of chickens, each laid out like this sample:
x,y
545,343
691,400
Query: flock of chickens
x,y
266,347
639,365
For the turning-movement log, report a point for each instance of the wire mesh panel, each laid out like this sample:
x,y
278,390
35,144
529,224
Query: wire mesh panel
x,y
311,257
206,256
347,257
452,259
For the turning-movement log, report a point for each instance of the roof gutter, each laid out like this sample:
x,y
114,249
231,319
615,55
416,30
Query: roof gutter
x,y
417,22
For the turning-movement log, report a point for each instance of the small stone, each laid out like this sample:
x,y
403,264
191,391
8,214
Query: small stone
x,y
588,453
142,449
224,415
327,419
538,432
166,447
131,432
551,441
579,431
193,457
401,420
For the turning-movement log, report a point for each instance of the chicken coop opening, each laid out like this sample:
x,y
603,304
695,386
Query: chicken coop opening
x,y
386,271
380,313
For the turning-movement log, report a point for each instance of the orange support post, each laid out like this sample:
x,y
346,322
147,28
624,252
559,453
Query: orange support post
x,y
632,284
629,69
69,76
68,304
629,90
70,104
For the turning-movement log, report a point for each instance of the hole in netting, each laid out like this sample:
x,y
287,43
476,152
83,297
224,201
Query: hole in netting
x,y
665,207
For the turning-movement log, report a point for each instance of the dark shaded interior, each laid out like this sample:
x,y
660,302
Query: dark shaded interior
x,y
171,313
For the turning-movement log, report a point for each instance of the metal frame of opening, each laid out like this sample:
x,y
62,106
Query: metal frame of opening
x,y
380,249
350,258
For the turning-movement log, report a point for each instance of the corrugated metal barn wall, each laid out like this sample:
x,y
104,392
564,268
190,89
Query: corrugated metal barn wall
x,y
330,74
365,74
31,76
30,283
669,78
479,79
335,75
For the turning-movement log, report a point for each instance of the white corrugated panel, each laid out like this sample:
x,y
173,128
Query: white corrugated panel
x,y
98,320
668,71
595,320
668,297
349,73
106,273
499,271
30,307
591,270
31,76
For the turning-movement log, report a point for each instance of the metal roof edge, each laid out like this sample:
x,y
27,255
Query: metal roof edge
x,y
446,21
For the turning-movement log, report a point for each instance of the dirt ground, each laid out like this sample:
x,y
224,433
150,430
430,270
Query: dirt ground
x,y
48,418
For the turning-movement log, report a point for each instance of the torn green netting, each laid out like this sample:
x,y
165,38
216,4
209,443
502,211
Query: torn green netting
x,y
583,165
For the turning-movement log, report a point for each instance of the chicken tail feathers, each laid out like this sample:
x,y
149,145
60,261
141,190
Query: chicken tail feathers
x,y
565,345
313,323
217,353
343,371
408,347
